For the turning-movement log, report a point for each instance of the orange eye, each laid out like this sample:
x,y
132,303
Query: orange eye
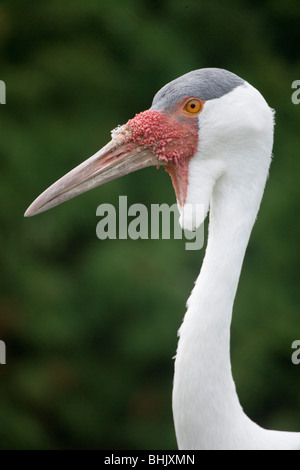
x,y
193,106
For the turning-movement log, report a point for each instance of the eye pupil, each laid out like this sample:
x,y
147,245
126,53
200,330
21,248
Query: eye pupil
x,y
193,105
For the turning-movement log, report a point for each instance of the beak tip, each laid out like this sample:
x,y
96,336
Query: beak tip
x,y
32,210
28,213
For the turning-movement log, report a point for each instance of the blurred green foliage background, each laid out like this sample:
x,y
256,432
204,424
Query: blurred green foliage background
x,y
90,326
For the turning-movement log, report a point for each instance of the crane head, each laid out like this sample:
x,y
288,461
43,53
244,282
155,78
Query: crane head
x,y
182,126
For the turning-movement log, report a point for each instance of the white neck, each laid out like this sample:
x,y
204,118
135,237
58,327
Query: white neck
x,y
205,404
228,173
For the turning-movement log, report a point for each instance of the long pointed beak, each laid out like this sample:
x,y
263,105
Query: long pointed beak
x,y
116,159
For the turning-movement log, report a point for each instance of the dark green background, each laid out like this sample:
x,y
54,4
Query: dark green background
x,y
90,326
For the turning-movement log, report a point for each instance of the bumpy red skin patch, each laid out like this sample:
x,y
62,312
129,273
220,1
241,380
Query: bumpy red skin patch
x,y
174,142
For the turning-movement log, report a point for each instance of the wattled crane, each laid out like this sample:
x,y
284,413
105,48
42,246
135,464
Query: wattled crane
x,y
213,133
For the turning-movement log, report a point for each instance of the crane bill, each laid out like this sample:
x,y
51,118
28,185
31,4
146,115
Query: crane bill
x,y
116,159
